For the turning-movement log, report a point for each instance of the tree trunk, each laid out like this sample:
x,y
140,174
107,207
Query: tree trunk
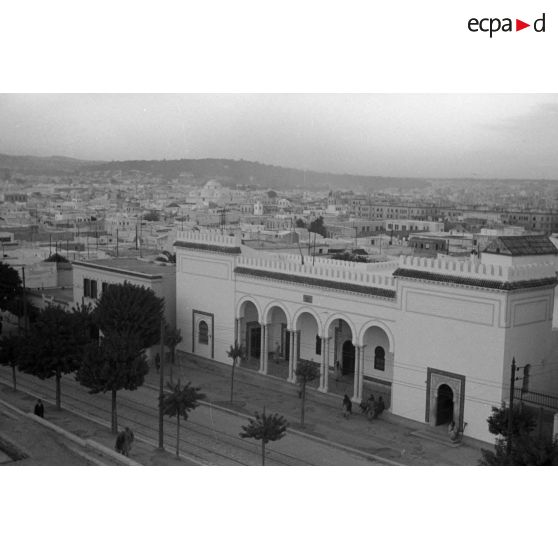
x,y
303,387
263,452
113,416
58,404
14,378
232,380
177,436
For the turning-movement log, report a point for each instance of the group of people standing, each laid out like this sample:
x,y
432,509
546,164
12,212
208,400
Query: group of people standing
x,y
371,408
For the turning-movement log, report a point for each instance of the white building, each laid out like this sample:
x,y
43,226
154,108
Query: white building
x,y
437,336
92,277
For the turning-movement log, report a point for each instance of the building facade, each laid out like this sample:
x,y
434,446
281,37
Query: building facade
x,y
437,335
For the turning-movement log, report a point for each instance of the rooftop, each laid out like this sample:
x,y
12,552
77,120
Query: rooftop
x,y
521,246
130,266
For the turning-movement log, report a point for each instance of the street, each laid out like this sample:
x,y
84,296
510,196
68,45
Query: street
x,y
209,437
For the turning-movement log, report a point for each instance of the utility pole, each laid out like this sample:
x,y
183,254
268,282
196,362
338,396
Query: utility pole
x,y
314,250
117,243
161,374
140,254
513,378
510,410
25,317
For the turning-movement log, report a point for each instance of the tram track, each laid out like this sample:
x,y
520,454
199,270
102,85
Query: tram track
x,y
203,443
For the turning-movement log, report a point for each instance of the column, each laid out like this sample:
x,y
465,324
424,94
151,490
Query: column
x,y
361,368
263,350
296,340
291,378
357,384
324,369
326,377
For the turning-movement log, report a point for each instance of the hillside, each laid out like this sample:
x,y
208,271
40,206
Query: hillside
x,y
49,166
246,172
226,170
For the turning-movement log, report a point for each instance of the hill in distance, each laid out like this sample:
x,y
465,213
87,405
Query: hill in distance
x,y
228,171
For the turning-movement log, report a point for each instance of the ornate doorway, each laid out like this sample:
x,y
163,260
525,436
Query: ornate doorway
x,y
445,397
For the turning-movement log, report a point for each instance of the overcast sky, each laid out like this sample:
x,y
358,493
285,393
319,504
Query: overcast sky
x,y
506,136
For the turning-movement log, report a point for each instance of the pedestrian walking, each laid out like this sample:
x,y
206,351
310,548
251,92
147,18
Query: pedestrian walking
x,y
347,406
39,409
124,441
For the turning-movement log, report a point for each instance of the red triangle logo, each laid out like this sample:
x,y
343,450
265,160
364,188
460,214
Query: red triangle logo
x,y
519,25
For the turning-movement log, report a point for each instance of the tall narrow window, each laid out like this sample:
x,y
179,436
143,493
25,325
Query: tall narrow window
x,y
93,289
87,288
379,358
203,333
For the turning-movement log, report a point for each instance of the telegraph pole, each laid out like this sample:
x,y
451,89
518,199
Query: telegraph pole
x,y
25,317
161,418
510,415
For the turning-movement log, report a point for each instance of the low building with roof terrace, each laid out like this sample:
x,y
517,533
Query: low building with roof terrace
x,y
91,277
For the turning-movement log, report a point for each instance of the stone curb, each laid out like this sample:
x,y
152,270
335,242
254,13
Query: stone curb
x,y
146,440
72,437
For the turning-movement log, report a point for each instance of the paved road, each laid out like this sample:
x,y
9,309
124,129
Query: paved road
x,y
210,436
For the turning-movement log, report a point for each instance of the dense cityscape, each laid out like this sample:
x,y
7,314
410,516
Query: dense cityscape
x,y
73,228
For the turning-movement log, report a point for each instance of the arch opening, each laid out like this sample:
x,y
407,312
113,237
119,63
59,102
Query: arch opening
x,y
444,405
278,342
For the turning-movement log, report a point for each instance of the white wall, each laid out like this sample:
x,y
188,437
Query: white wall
x,y
458,329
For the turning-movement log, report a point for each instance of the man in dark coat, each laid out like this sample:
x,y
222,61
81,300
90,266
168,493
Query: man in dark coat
x,y
347,406
39,409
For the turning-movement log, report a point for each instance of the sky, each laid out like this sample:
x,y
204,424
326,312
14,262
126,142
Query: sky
x,y
415,135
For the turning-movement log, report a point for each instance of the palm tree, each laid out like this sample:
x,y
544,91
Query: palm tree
x,y
267,428
178,403
236,352
305,372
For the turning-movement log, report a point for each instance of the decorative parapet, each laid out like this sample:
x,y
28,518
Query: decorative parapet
x,y
476,274
328,276
213,242
341,264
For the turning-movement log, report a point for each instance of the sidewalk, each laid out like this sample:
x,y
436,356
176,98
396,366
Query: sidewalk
x,y
88,429
394,438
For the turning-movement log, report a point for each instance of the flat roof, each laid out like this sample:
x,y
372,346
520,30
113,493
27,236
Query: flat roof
x,y
521,246
130,266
